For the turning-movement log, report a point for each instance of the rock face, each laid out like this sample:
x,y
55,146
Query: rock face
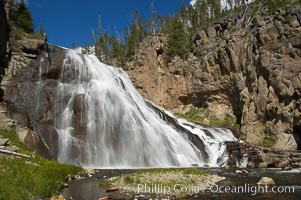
x,y
247,66
4,38
30,106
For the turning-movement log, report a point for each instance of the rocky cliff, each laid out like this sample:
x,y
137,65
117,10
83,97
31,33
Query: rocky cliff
x,y
246,67
29,86
4,38
20,58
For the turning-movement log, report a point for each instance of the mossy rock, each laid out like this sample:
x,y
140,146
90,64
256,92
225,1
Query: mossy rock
x,y
269,141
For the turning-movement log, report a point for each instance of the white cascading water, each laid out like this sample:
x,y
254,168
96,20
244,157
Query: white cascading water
x,y
117,127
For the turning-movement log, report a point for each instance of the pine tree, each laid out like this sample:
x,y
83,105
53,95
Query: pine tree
x,y
178,41
215,6
184,17
41,31
118,50
102,50
135,34
23,18
132,39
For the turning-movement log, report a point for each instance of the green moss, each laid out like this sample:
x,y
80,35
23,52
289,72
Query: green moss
x,y
21,178
268,141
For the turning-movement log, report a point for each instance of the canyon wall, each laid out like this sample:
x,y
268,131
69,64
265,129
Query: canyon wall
x,y
247,67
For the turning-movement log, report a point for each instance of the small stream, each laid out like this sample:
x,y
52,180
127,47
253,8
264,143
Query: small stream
x,y
89,189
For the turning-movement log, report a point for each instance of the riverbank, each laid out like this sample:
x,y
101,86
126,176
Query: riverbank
x,y
167,183
89,188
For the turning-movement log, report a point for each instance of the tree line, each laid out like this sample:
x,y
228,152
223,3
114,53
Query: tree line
x,y
20,20
20,17
178,28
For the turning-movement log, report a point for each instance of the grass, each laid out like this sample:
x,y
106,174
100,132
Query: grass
x,y
134,178
193,115
168,178
174,170
128,180
21,178
195,118
199,115
12,136
273,5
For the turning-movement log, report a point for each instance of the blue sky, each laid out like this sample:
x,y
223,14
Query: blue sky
x,y
68,21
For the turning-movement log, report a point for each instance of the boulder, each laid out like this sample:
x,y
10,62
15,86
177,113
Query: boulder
x,y
266,181
262,165
283,164
4,142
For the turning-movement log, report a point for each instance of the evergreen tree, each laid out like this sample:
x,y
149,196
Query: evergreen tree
x,y
163,24
20,17
118,50
23,18
73,45
102,50
178,41
132,39
184,16
135,34
215,7
41,31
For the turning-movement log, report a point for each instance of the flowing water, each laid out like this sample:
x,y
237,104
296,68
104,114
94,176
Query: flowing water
x,y
103,122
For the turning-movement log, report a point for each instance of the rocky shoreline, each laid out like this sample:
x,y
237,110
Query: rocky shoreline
x,y
90,188
167,183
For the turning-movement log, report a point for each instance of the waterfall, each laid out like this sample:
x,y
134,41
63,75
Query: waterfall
x,y
103,122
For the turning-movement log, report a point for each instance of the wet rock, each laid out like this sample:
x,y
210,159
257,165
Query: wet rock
x,y
263,165
266,181
296,165
80,116
77,176
90,171
241,171
284,164
251,164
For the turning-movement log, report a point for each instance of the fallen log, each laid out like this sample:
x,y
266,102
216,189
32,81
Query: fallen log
x,y
112,189
14,153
